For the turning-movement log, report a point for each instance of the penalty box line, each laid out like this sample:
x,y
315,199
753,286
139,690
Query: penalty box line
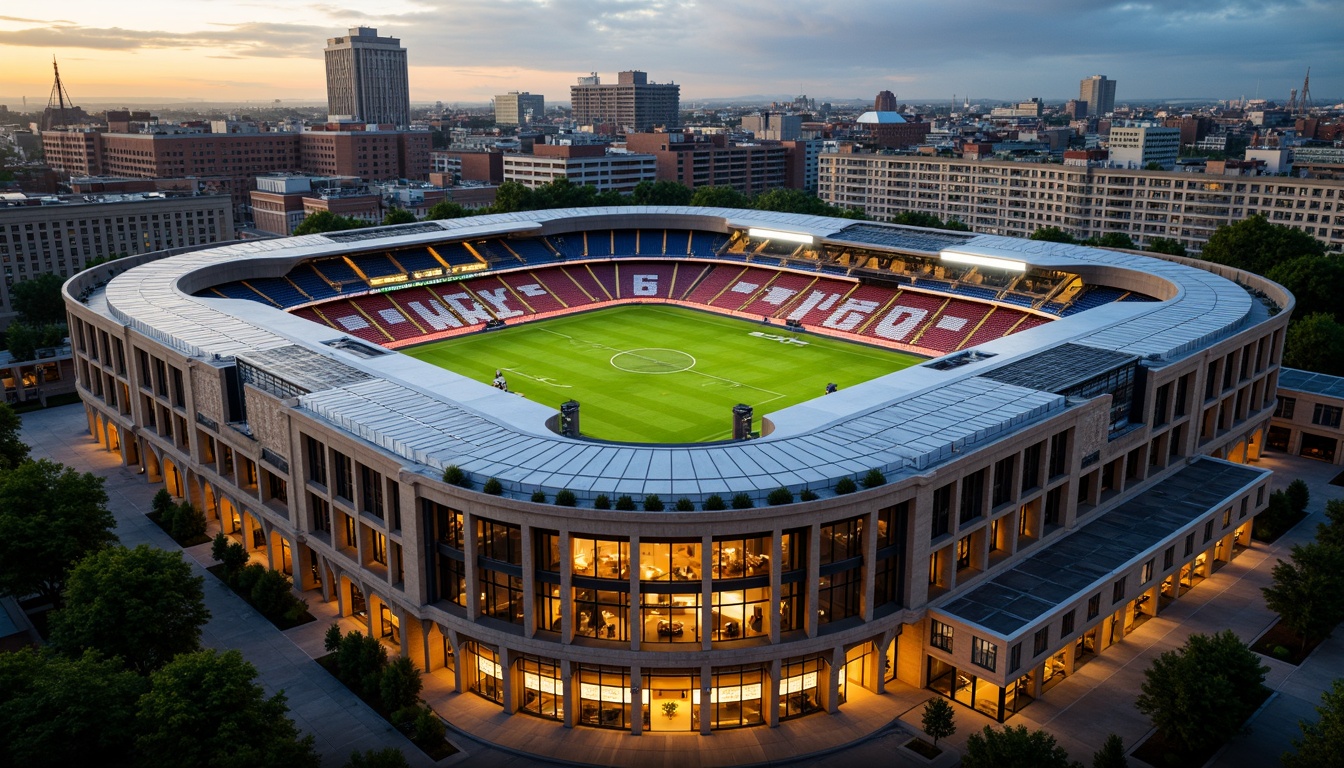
x,y
595,345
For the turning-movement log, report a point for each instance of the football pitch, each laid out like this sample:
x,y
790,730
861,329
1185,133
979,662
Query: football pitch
x,y
661,374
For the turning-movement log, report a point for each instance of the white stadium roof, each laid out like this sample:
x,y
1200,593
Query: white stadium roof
x,y
904,422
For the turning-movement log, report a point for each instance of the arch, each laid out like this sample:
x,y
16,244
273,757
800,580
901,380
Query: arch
x,y
113,436
153,470
172,478
282,555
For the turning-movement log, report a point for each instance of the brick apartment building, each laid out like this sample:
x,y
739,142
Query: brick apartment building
x,y
230,163
712,161
1008,198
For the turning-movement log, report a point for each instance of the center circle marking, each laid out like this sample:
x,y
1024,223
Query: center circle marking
x,y
652,360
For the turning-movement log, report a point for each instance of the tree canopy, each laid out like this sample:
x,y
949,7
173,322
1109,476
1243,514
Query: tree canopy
x,y
38,300
143,605
396,215
720,197
58,711
1052,235
1308,591
1165,245
1316,343
660,193
1317,282
1015,747
1257,245
325,221
203,709
1322,742
13,450
50,517
446,209
1181,686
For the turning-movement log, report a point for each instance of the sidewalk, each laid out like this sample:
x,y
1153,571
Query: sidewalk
x,y
318,704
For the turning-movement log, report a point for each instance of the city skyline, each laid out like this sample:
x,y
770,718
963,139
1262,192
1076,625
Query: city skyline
x,y
226,50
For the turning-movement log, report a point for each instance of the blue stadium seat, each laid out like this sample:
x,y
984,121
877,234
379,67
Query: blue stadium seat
x,y
310,283
236,290
627,243
570,246
532,251
455,254
337,271
376,265
599,243
279,290
416,259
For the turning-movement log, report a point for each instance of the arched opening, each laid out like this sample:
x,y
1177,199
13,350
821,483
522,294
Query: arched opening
x,y
152,469
172,478
282,557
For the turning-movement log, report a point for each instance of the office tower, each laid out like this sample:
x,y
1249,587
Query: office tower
x,y
367,78
632,104
1099,93
885,102
514,108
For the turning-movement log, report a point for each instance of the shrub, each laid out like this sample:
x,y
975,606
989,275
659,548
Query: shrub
x,y
1298,496
565,498
235,557
807,495
494,488
428,729
874,478
601,502
625,503
332,639
400,684
218,546
652,503
247,577
714,503
685,505
188,523
779,496
162,503
742,501
269,594
539,497
453,475
845,485
359,664
1281,652
1277,517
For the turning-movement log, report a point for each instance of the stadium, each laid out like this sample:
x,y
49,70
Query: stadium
x,y
568,459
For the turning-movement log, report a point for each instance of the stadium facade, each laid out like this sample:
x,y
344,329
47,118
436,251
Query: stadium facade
x,y
1078,452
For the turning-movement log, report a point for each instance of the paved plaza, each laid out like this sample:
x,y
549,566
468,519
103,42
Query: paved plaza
x,y
1080,711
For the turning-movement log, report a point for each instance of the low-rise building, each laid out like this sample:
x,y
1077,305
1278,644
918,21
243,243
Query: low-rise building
x,y
1308,418
59,234
1141,146
592,166
698,160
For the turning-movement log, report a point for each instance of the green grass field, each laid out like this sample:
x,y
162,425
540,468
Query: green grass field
x,y
660,374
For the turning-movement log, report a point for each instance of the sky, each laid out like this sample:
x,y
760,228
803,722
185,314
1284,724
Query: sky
x,y
465,52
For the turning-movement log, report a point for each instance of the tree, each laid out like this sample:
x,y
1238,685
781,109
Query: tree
x,y
939,719
38,300
1316,343
397,215
1165,245
58,711
359,664
660,193
1114,240
1322,742
794,201
400,684
1331,532
50,517
1256,245
1199,694
1316,283
325,221
230,554
446,209
917,219
1299,495
1111,754
13,451
141,604
719,197
1015,747
512,197
203,709
1052,235
1306,592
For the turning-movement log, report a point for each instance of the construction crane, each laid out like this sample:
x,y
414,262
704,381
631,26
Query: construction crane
x,y
1304,97
57,104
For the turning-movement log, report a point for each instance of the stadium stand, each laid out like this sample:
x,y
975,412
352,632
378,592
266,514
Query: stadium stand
x,y
532,251
373,265
417,260
310,282
278,290
606,277
625,242
532,291
569,246
597,243
456,254
583,277
337,271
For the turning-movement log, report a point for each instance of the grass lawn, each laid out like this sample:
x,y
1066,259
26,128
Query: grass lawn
x,y
661,374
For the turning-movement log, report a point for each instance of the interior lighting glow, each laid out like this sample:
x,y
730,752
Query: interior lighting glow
x,y
774,234
1012,265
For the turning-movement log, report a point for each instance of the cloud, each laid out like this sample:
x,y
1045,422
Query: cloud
x,y
260,39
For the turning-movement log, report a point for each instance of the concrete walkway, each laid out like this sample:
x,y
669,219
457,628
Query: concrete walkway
x,y
1080,711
